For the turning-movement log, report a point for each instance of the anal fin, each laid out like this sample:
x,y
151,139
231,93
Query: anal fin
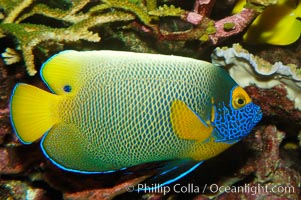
x,y
169,173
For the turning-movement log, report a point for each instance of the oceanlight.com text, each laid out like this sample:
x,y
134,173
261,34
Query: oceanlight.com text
x,y
212,188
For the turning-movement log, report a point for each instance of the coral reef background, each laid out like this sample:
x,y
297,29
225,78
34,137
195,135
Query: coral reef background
x,y
33,30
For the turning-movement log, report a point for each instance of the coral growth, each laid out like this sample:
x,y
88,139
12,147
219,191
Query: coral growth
x,y
106,193
248,69
81,20
29,35
265,175
275,103
20,190
267,166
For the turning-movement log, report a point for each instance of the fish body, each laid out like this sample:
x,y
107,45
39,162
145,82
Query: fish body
x,y
278,24
111,110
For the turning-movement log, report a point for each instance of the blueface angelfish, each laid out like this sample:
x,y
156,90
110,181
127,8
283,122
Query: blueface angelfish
x,y
111,110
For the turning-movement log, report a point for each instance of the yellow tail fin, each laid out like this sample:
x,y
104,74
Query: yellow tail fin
x,y
33,112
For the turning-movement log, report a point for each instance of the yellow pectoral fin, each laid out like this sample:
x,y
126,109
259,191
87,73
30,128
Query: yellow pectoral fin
x,y
186,124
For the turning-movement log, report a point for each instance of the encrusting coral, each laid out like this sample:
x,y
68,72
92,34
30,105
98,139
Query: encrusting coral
x,y
271,176
80,19
247,69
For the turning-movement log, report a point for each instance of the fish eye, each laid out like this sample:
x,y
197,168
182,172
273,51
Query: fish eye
x,y
67,88
239,102
239,98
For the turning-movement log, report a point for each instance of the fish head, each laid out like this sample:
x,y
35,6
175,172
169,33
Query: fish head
x,y
234,121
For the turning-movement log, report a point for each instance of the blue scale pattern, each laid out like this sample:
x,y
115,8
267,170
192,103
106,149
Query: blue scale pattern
x,y
228,119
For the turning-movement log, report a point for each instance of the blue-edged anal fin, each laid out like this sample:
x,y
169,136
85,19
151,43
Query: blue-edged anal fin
x,y
66,147
187,124
169,173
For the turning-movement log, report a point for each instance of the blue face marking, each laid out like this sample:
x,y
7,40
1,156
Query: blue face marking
x,y
67,88
233,124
